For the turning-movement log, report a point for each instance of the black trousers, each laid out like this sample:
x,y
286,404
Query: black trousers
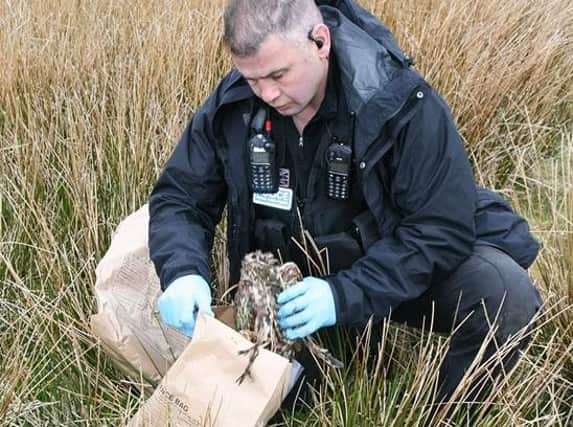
x,y
489,288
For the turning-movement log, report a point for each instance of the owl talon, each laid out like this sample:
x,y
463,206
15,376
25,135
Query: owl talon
x,y
247,350
242,377
254,350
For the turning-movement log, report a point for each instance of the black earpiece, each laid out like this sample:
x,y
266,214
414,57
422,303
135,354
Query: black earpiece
x,y
319,42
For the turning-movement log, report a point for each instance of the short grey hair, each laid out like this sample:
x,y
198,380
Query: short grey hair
x,y
247,23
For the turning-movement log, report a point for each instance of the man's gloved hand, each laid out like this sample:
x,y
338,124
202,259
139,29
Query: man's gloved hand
x,y
306,307
179,304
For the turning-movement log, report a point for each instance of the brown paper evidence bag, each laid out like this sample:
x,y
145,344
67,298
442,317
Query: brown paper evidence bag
x,y
197,378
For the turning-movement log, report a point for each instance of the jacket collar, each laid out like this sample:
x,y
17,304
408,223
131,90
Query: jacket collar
x,y
375,77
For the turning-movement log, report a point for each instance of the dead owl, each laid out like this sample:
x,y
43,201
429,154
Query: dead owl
x,y
262,279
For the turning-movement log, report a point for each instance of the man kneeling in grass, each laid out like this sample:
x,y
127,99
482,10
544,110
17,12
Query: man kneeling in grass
x,y
323,117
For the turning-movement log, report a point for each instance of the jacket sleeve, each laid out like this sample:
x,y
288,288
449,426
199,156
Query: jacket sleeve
x,y
187,202
433,192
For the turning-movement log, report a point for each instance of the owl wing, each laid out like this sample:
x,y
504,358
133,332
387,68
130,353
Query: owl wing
x,y
244,305
289,274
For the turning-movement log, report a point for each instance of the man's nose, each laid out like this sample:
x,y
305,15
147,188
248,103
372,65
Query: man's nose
x,y
269,92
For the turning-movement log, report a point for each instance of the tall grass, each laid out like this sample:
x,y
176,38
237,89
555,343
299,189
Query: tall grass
x,y
93,96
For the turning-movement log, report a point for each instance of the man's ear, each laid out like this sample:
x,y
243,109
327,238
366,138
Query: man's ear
x,y
320,34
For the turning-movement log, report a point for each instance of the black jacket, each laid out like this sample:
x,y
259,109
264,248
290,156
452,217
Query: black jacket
x,y
425,213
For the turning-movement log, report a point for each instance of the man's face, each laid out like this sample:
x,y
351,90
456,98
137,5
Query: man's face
x,y
289,76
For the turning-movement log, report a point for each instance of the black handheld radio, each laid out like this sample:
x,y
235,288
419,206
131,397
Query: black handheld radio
x,y
339,161
264,171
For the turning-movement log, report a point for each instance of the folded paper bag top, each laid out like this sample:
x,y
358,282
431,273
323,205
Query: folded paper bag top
x,y
200,389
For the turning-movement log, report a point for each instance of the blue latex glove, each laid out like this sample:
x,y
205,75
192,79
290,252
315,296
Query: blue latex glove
x,y
306,307
185,296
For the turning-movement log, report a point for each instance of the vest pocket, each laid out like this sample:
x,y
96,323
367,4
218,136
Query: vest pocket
x,y
343,250
365,229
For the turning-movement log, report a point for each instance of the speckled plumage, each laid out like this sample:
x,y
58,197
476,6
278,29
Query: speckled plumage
x,y
262,279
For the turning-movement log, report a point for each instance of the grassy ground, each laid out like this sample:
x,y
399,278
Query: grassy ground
x,y
93,95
